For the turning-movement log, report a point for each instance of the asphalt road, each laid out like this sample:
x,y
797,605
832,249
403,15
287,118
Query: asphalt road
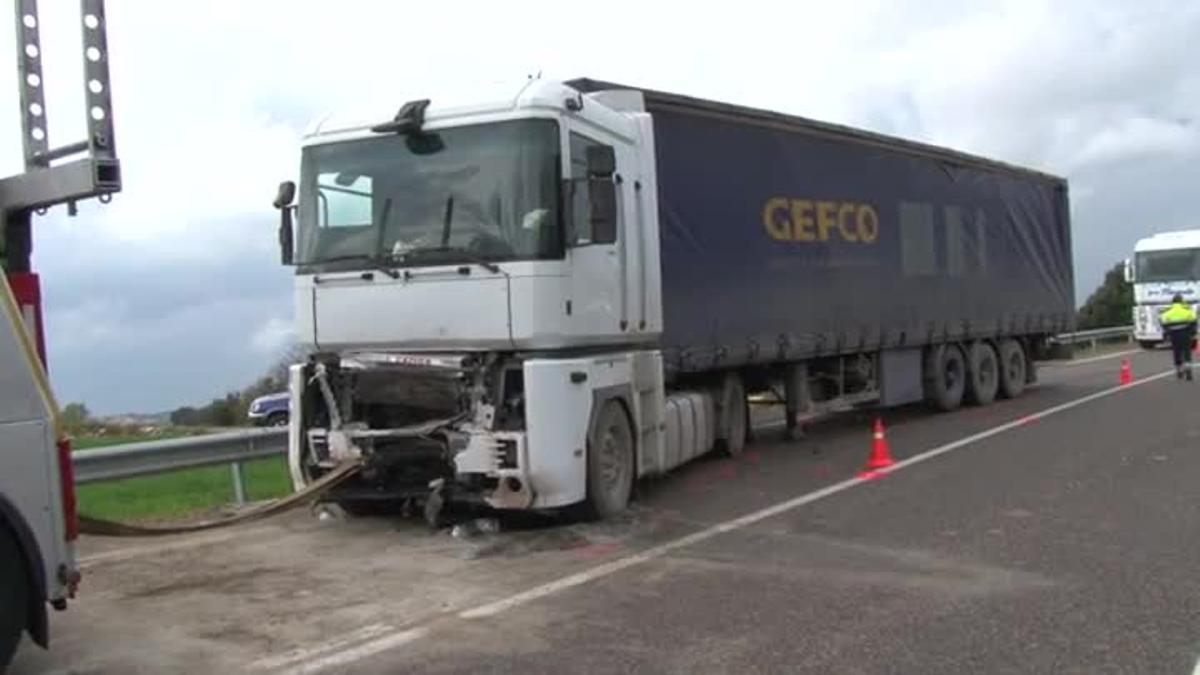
x,y
1062,540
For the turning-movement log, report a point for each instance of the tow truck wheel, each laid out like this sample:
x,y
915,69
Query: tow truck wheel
x,y
610,467
14,596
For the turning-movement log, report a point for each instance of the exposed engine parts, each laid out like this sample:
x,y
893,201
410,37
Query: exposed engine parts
x,y
425,426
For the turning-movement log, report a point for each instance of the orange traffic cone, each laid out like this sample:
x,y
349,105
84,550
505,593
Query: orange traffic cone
x,y
1126,372
881,454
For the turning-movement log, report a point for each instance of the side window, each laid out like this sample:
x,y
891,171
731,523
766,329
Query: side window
x,y
343,201
584,229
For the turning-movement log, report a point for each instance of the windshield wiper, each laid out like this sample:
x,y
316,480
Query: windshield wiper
x,y
471,256
376,263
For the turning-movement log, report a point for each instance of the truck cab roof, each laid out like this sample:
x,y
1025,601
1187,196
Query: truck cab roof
x,y
1169,241
477,101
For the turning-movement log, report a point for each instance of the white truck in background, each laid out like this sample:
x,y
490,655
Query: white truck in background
x,y
38,519
1163,266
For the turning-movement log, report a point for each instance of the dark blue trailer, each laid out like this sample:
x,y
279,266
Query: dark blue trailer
x,y
790,241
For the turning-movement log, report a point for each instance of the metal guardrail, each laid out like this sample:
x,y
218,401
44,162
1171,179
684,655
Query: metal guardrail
x,y
172,454
1095,334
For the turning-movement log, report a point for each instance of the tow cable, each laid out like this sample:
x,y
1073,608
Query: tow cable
x,y
109,528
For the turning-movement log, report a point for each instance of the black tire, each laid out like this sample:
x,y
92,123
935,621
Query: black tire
x,y
983,373
1147,344
277,419
732,416
610,462
1014,369
14,596
946,377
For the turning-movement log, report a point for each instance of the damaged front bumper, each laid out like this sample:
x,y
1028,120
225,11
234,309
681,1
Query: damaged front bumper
x,y
458,456
490,464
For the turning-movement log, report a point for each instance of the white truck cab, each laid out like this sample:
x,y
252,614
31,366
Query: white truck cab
x,y
427,246
1164,265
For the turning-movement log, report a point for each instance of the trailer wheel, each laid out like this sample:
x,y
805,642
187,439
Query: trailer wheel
x,y
983,376
732,414
1013,368
610,462
14,596
946,376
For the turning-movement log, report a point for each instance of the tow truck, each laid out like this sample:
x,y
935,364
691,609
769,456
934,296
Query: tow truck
x,y
38,519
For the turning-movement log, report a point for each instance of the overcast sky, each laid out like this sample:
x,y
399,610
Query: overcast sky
x,y
173,294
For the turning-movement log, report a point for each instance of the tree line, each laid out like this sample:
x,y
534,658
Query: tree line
x,y
230,410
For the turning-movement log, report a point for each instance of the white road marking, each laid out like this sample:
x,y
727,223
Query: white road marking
x,y
1196,670
361,651
578,579
295,656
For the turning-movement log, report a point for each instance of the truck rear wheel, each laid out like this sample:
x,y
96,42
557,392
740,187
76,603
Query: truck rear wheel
x,y
983,376
610,465
1014,369
14,596
946,376
732,413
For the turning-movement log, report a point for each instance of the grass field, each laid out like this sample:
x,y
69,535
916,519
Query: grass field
x,y
171,495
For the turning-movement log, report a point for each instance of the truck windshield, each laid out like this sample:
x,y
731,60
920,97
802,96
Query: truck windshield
x,y
485,192
1178,265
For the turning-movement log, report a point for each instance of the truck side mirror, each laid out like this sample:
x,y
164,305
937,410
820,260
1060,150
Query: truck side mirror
x,y
285,195
283,201
1128,271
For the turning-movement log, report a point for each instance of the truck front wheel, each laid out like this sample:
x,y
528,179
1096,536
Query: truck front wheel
x,y
610,466
732,414
14,596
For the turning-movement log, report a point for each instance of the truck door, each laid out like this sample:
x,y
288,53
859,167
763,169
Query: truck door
x,y
595,298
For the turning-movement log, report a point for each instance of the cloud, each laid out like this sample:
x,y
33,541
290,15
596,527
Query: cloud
x,y
273,336
1138,137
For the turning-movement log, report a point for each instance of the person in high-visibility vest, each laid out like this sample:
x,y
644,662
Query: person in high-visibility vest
x,y
1179,323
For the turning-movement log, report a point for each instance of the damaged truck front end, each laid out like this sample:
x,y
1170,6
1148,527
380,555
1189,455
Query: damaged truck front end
x,y
428,428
